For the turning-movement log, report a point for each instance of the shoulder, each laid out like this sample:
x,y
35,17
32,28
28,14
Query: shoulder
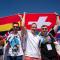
x,y
28,31
19,33
10,35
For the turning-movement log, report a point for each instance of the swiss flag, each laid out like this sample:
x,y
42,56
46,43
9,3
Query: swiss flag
x,y
48,19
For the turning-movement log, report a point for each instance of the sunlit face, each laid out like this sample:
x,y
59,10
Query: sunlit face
x,y
44,30
33,27
15,27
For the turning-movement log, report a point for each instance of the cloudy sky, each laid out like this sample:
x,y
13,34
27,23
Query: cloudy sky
x,y
11,7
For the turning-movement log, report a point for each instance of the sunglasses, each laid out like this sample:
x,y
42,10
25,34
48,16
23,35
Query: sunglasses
x,y
16,28
44,28
34,27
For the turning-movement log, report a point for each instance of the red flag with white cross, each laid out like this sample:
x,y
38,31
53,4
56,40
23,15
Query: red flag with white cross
x,y
48,19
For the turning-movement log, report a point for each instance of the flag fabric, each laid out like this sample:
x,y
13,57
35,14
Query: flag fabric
x,y
48,19
40,19
6,22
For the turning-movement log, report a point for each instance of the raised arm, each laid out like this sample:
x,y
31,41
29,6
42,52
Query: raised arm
x,y
22,18
53,31
23,27
57,22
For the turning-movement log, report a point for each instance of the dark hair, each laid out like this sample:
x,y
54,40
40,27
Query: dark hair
x,y
16,27
43,26
15,23
34,23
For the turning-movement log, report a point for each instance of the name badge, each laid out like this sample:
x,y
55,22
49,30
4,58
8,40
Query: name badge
x,y
49,47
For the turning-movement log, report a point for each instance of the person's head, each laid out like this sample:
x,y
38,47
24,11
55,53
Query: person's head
x,y
15,26
23,28
44,29
33,27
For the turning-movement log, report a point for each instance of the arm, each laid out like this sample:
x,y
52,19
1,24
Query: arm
x,y
53,31
23,27
22,19
23,33
57,24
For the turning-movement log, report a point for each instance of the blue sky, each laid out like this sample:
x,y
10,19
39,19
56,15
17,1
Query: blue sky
x,y
11,7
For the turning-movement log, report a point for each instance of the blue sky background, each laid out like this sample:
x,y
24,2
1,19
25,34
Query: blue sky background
x,y
11,7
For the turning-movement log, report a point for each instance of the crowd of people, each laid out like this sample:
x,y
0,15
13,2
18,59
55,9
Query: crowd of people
x,y
23,44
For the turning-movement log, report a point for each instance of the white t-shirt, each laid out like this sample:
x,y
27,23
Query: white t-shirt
x,y
20,52
32,49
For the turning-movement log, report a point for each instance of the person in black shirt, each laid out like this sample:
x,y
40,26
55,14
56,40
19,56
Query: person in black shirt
x,y
46,44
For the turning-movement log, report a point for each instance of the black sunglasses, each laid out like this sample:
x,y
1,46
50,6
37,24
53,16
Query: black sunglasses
x,y
44,28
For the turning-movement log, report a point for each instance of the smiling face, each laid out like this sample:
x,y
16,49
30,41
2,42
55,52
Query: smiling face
x,y
44,29
33,28
15,27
